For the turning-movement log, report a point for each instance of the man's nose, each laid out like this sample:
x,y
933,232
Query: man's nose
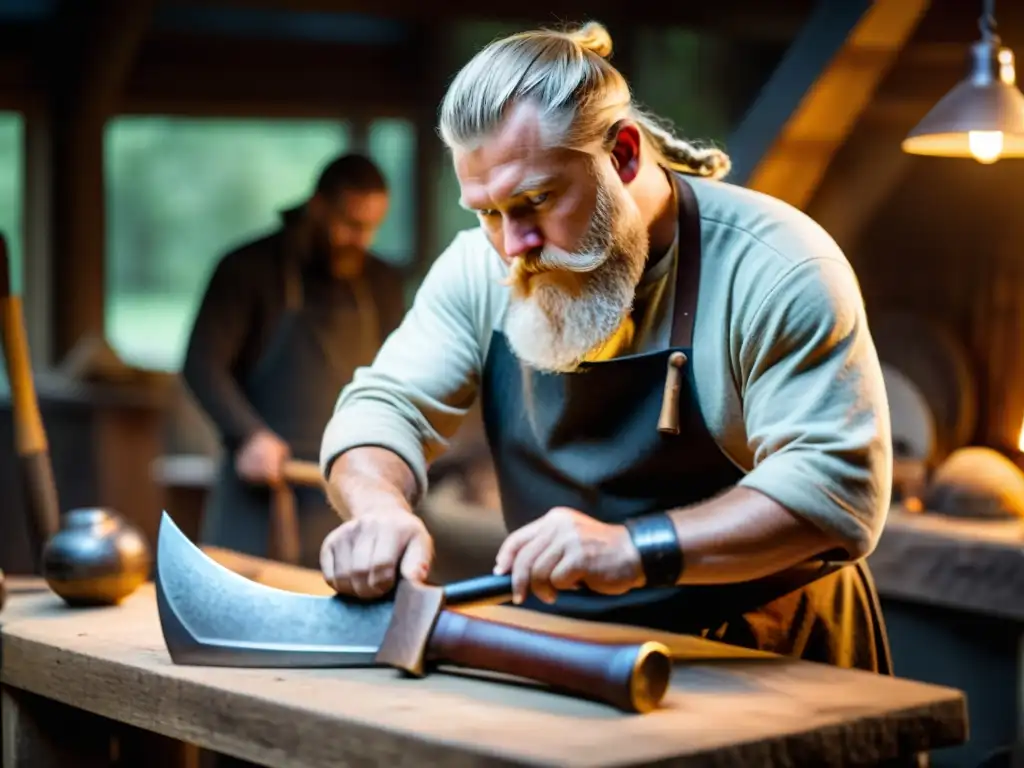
x,y
521,238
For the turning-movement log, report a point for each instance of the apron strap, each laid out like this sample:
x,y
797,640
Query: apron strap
x,y
687,285
687,264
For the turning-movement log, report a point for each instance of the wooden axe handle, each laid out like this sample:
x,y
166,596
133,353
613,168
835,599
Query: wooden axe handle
x,y
285,540
632,677
284,543
29,434
305,473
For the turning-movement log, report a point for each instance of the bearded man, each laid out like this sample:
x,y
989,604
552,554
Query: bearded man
x,y
680,392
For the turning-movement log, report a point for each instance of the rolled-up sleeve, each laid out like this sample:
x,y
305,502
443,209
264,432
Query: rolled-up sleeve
x,y
424,379
815,407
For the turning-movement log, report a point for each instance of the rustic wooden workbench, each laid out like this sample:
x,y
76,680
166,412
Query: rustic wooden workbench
x,y
952,593
726,706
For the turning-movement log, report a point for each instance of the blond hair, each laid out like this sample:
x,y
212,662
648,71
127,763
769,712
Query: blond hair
x,y
580,95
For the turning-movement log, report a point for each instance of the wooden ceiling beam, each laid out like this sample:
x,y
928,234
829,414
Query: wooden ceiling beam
x,y
244,77
830,108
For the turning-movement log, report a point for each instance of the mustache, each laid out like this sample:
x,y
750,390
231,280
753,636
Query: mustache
x,y
555,259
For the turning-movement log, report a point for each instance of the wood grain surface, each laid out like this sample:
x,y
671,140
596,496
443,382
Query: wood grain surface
x,y
725,706
968,565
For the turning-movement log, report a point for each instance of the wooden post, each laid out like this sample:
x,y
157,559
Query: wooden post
x,y
39,733
84,66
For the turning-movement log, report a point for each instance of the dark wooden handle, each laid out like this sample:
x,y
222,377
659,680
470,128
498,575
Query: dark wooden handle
x,y
480,590
633,678
284,526
40,491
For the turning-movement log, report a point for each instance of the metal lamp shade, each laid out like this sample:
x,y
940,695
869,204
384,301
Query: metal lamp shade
x,y
983,103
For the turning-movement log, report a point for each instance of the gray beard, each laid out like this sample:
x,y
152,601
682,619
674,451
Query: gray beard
x,y
553,330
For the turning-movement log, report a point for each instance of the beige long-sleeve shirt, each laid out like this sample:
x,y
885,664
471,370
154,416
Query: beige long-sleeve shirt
x,y
787,377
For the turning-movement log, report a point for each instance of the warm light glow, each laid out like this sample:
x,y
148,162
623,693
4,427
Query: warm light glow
x,y
985,146
1007,71
1020,438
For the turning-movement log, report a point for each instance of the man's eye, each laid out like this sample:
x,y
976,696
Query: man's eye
x,y
538,198
487,213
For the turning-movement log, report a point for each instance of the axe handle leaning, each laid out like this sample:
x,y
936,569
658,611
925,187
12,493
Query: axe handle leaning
x,y
31,445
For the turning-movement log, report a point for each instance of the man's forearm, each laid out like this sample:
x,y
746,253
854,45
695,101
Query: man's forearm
x,y
367,479
222,399
743,535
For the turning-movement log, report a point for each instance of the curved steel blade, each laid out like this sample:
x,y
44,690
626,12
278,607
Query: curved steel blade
x,y
211,616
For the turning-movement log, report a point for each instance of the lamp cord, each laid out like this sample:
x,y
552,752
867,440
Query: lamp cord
x,y
987,21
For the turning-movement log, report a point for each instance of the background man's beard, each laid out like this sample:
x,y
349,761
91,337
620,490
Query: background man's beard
x,y
551,325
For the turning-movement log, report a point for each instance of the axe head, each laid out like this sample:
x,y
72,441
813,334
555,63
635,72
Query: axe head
x,y
211,616
417,607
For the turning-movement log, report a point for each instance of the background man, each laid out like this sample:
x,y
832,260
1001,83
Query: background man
x,y
285,321
680,392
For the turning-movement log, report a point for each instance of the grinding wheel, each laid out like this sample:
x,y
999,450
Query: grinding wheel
x,y
931,356
913,421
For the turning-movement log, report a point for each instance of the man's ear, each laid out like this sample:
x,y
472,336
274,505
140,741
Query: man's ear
x,y
626,151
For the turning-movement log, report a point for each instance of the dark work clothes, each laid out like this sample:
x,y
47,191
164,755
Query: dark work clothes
x,y
244,301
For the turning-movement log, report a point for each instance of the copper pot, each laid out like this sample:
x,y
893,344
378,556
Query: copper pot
x,y
96,558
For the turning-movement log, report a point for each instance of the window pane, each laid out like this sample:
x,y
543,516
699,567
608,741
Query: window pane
x,y
393,147
180,193
702,83
452,218
12,190
467,38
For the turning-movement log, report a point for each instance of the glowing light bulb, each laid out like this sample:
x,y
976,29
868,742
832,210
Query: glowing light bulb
x,y
985,146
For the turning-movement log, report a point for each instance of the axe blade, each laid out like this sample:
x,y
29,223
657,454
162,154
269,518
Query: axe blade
x,y
211,616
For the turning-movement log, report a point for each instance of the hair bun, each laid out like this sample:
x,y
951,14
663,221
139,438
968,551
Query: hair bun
x,y
593,37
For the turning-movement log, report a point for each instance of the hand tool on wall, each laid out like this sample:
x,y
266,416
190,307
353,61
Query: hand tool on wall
x,y
211,616
88,556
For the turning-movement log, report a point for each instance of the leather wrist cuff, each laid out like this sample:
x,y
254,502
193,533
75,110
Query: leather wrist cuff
x,y
655,538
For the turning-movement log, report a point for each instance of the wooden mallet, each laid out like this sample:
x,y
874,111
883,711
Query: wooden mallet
x,y
284,544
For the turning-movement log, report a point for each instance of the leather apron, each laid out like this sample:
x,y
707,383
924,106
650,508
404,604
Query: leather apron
x,y
312,354
589,440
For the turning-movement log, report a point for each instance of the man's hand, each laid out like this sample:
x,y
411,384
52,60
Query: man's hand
x,y
360,557
565,549
261,458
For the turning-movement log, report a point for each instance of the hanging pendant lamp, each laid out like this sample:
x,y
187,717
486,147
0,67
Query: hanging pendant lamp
x,y
983,116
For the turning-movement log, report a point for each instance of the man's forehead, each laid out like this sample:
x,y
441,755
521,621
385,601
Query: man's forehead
x,y
513,160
